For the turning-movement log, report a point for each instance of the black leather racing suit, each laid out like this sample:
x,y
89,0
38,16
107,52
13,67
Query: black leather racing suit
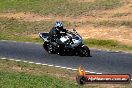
x,y
54,35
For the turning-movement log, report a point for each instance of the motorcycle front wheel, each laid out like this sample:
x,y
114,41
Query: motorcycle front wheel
x,y
84,51
45,46
48,47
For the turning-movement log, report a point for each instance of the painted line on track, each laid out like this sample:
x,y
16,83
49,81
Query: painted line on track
x,y
92,72
25,61
31,62
87,71
3,58
44,64
17,60
11,59
69,68
38,63
74,69
57,66
49,65
3,40
63,67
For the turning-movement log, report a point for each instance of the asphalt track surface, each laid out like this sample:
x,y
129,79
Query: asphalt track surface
x,y
101,61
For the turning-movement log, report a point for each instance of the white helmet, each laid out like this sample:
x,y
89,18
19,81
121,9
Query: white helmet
x,y
59,25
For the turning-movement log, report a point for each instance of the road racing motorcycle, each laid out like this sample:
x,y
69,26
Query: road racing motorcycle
x,y
72,44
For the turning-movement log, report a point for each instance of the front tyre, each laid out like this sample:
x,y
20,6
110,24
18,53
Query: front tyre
x,y
84,51
45,46
48,47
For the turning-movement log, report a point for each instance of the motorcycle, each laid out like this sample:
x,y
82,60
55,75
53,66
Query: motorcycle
x,y
72,44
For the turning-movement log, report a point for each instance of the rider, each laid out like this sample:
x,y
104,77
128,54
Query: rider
x,y
55,32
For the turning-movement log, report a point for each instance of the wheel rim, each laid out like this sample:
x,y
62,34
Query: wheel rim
x,y
86,53
49,49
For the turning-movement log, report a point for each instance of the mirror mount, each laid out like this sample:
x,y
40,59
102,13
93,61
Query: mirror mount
x,y
74,30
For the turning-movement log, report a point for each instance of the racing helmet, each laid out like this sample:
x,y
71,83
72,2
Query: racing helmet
x,y
59,25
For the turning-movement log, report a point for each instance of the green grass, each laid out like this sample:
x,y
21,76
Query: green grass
x,y
107,44
12,29
22,80
57,7
24,75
